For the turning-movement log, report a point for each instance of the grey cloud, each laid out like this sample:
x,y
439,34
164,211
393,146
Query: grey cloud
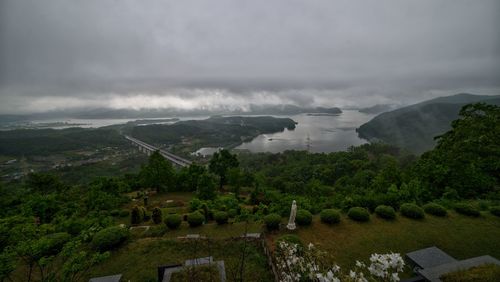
x,y
305,52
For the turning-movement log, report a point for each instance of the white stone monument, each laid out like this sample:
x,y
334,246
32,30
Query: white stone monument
x,y
291,220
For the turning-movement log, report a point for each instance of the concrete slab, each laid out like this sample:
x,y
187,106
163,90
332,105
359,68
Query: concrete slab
x,y
429,257
432,274
199,261
110,278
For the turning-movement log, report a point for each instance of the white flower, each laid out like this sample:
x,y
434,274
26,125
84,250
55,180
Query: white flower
x,y
310,246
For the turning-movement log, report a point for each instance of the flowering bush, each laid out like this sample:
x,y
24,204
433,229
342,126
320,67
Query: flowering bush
x,y
308,264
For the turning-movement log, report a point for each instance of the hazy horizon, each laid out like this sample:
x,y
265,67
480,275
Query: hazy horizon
x,y
190,55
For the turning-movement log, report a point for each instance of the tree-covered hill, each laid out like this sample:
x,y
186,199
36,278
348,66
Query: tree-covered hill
x,y
414,127
49,141
216,131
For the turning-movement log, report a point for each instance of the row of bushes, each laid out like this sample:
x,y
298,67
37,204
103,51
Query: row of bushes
x,y
328,216
331,216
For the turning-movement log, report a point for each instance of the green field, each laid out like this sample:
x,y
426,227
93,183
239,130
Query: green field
x,y
138,260
460,236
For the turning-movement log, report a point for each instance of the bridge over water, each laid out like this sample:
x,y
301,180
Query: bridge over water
x,y
149,149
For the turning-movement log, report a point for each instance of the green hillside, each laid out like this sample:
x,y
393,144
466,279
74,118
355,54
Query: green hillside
x,y
414,127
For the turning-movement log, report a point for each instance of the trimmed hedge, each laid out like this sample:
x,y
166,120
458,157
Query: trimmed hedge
x,y
386,212
495,211
412,211
195,219
358,214
173,221
221,217
467,209
157,215
272,221
124,213
114,213
303,217
330,216
435,209
109,238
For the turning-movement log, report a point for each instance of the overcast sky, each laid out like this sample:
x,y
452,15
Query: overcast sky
x,y
60,54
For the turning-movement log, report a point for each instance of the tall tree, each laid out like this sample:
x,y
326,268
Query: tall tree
x,y
467,158
206,187
158,173
220,164
187,178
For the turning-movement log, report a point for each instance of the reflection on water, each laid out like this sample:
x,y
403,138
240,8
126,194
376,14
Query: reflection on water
x,y
94,123
322,133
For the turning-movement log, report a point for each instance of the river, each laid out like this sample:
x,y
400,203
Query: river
x,y
322,133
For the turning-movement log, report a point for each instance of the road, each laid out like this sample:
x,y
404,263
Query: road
x,y
150,149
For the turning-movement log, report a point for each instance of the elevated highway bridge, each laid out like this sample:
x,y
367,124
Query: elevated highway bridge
x,y
149,149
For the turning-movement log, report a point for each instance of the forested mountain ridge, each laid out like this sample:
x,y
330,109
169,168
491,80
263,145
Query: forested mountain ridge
x,y
414,127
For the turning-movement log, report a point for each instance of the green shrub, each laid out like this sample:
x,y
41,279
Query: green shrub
x,y
272,221
114,213
467,209
435,209
386,212
124,213
290,238
109,238
52,244
303,217
136,215
232,213
221,217
330,216
157,215
358,214
495,211
412,211
195,219
173,221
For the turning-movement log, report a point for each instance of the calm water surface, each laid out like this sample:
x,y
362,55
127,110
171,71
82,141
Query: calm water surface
x,y
323,133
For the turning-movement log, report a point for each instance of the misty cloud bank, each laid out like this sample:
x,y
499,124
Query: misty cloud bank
x,y
58,54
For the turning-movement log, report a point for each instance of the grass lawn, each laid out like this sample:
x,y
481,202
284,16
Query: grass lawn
x,y
138,260
211,230
460,236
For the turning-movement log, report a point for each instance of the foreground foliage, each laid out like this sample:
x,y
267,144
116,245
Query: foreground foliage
x,y
296,263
